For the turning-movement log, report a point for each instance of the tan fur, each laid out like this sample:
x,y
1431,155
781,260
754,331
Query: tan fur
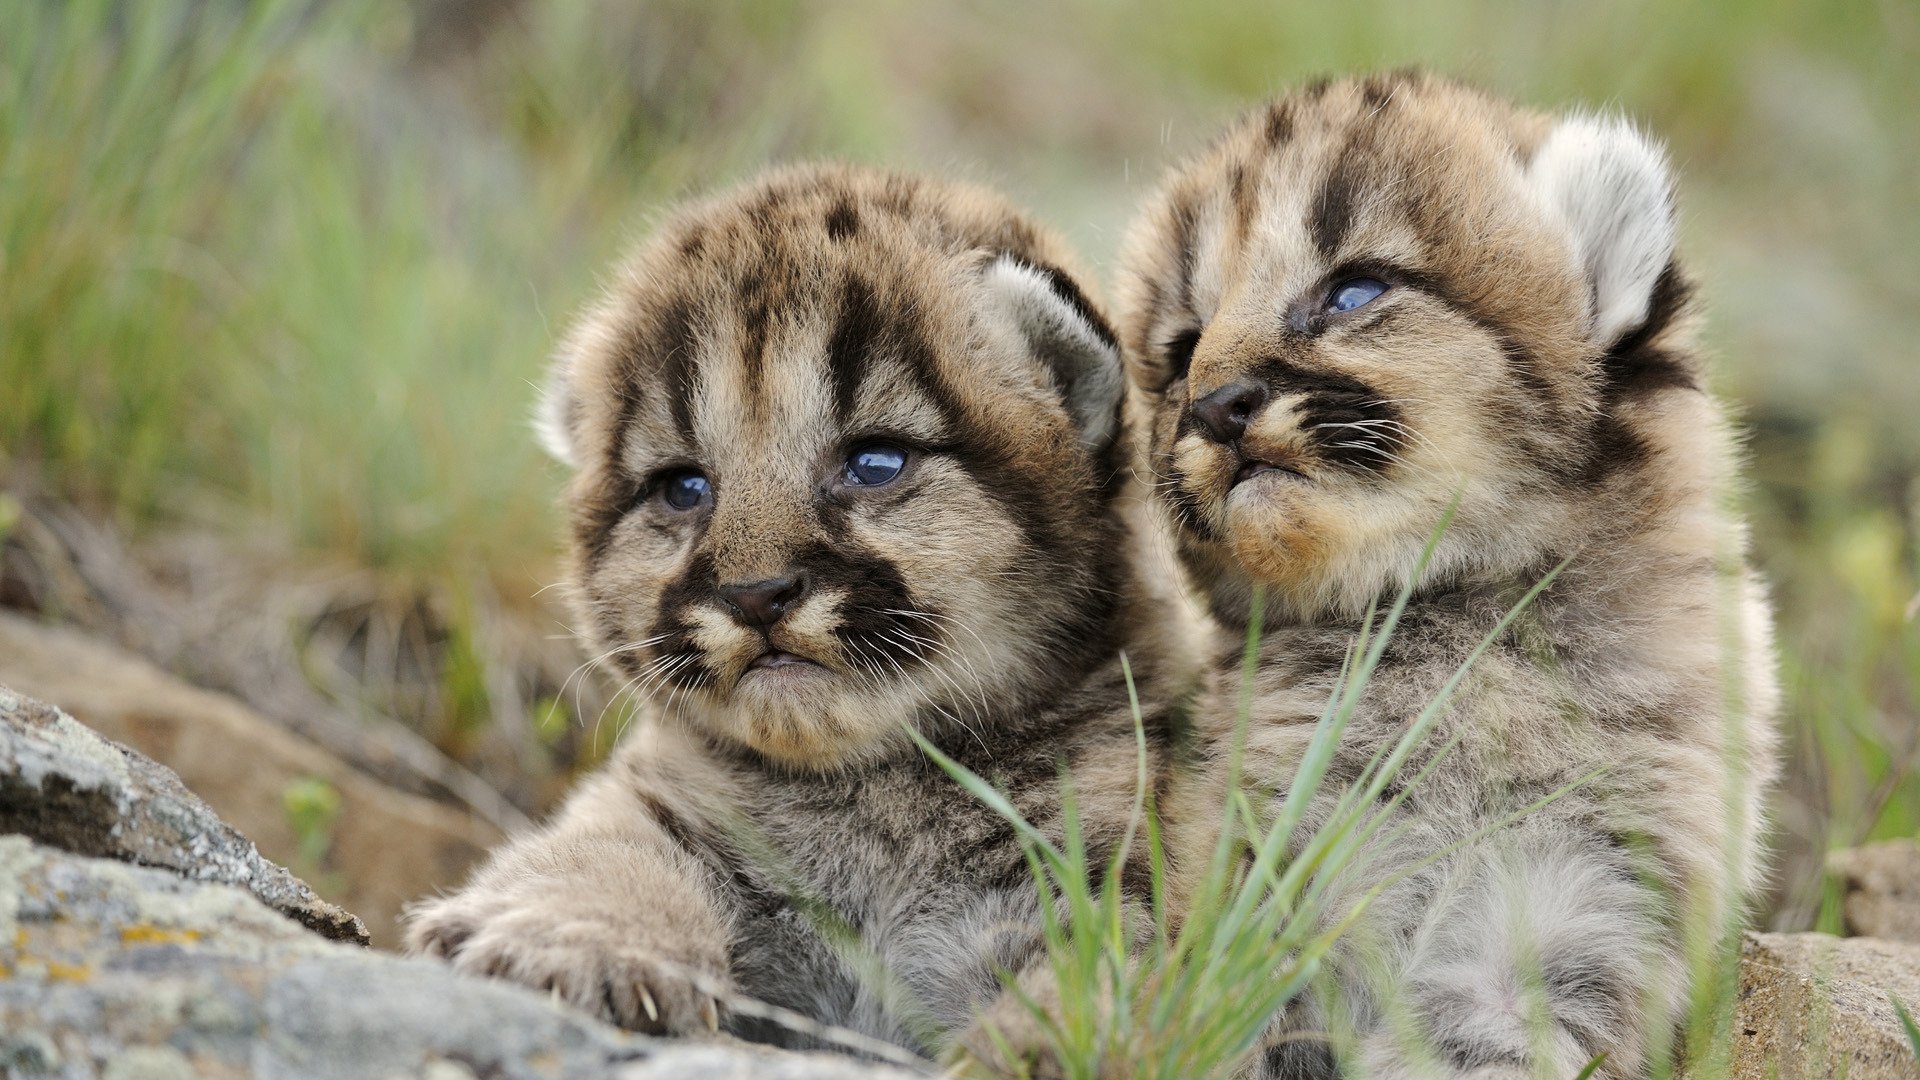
x,y
1493,371
981,599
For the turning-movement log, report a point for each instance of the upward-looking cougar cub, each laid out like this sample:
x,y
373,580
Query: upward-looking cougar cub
x,y
1366,300
846,459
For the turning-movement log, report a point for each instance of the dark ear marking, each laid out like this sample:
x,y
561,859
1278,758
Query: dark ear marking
x,y
1069,293
1637,365
1079,351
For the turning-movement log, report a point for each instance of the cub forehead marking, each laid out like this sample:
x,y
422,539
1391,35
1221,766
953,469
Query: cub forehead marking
x,y
677,340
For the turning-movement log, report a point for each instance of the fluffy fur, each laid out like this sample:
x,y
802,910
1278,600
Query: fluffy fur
x,y
768,828
1532,355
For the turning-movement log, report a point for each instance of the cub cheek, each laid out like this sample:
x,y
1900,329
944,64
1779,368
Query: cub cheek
x,y
813,623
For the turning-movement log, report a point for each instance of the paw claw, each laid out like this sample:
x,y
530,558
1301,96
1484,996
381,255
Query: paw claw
x,y
646,1002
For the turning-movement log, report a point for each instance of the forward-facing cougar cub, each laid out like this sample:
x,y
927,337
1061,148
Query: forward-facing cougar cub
x,y
845,452
1365,301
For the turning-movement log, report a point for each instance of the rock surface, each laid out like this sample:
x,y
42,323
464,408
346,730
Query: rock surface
x,y
1814,1006
111,970
68,788
1880,889
384,848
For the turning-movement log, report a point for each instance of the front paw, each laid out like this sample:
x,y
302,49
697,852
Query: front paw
x,y
1005,1046
588,956
1018,1036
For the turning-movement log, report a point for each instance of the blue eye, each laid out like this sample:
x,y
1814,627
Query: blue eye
x,y
1355,293
685,490
874,464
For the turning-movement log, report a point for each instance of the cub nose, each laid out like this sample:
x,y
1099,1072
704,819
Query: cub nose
x,y
761,604
1225,412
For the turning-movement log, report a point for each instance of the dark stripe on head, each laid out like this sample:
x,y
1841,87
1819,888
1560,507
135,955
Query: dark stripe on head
x,y
1279,127
693,241
843,220
1178,354
1241,195
755,304
1336,203
1285,377
856,335
1377,91
1304,1056
674,345
1185,220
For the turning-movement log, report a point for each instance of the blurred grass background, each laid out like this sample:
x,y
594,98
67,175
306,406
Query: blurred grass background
x,y
283,273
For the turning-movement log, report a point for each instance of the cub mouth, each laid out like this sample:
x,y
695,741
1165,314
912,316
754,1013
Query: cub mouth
x,y
781,660
1252,468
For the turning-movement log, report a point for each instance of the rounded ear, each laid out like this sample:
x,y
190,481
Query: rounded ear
x,y
553,414
1067,333
1611,186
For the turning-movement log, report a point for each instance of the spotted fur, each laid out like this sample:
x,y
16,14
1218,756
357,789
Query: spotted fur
x,y
1532,358
771,829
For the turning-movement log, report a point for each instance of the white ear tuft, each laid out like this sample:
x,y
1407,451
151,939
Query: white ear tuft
x,y
1069,335
1611,185
553,414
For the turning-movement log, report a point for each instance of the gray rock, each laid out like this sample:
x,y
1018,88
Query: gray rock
x,y
383,848
1814,1006
118,971
68,788
1880,889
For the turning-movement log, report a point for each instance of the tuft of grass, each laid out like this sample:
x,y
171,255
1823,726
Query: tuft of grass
x,y
1256,931
1907,1025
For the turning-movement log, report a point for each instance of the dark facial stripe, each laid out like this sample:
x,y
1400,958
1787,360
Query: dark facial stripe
x,y
1350,424
1521,363
1286,377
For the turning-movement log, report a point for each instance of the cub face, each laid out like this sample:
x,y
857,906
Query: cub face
x,y
1378,295
843,446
